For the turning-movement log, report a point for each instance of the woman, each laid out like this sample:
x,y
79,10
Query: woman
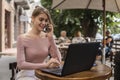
x,y
78,38
34,46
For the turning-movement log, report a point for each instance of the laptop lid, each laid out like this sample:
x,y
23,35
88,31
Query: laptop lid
x,y
80,57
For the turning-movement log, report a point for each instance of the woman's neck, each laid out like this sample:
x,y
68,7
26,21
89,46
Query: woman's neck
x,y
35,32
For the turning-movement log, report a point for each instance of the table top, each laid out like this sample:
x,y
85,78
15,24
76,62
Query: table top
x,y
99,72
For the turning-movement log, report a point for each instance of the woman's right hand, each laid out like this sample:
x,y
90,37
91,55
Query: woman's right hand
x,y
52,63
50,33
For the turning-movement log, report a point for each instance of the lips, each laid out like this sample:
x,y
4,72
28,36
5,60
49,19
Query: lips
x,y
41,27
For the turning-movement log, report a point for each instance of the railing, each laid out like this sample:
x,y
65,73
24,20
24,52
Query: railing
x,y
115,49
116,46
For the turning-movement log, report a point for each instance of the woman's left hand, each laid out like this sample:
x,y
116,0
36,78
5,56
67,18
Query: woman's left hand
x,y
52,63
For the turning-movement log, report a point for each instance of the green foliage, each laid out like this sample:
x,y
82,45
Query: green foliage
x,y
89,22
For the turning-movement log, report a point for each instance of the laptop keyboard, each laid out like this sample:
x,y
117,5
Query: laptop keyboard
x,y
57,70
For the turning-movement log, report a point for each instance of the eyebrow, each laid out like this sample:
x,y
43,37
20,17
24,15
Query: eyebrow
x,y
43,18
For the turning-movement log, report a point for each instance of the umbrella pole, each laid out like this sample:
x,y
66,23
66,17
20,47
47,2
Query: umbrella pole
x,y
104,27
103,57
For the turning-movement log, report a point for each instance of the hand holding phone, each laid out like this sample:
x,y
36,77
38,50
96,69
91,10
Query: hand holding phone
x,y
49,30
46,29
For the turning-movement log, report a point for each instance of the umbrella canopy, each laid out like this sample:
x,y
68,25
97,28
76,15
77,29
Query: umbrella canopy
x,y
104,5
111,5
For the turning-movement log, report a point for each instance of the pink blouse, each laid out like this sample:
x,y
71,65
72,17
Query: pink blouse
x,y
31,52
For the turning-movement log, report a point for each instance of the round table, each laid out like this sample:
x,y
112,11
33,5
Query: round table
x,y
99,72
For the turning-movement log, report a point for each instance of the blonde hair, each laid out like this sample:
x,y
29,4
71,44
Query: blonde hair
x,y
39,10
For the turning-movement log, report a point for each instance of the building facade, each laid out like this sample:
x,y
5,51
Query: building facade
x,y
10,23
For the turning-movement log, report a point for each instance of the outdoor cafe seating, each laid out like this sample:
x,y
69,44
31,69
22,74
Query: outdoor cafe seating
x,y
63,49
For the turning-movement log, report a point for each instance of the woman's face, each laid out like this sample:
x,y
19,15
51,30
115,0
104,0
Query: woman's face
x,y
40,21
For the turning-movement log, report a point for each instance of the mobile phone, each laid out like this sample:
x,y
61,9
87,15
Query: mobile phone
x,y
46,29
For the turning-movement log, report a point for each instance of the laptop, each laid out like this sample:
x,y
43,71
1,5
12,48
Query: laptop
x,y
79,57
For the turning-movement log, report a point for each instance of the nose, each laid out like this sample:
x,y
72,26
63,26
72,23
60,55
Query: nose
x,y
44,23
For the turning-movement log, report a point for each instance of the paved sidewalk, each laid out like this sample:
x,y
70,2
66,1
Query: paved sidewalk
x,y
5,73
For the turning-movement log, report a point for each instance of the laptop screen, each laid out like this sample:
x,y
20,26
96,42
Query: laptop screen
x,y
80,57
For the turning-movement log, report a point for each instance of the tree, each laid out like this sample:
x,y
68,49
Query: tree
x,y
87,21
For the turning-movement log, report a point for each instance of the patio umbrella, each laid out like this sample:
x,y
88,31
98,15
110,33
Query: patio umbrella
x,y
104,5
